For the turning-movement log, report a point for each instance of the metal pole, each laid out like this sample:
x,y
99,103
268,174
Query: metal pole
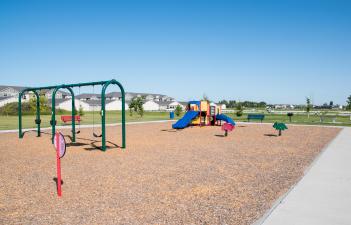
x,y
20,115
123,116
103,112
73,115
53,114
103,118
38,113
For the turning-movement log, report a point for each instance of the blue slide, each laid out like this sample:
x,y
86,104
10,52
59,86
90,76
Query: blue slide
x,y
225,118
187,118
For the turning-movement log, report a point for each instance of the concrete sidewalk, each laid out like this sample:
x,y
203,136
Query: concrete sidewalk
x,y
323,196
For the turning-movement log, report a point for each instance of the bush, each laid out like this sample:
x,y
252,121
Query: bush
x,y
239,110
81,111
178,110
239,113
11,109
136,105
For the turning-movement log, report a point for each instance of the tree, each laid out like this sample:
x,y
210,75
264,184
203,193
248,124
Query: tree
x,y
331,104
136,105
231,104
6,110
308,106
81,111
205,97
239,109
43,104
348,106
224,102
178,110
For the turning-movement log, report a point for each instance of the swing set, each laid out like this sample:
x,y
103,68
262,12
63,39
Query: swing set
x,y
70,87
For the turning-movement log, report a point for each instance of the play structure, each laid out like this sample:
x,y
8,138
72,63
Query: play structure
x,y
73,118
203,113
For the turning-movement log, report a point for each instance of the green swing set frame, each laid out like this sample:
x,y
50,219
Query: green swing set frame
x,y
69,87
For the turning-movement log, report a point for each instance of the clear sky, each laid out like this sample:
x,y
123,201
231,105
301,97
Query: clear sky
x,y
274,51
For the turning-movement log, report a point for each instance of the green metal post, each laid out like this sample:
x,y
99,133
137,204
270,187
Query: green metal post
x,y
20,115
53,115
20,133
123,116
103,114
38,113
73,115
103,117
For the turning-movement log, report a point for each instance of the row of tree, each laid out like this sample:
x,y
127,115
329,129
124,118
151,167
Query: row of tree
x,y
248,104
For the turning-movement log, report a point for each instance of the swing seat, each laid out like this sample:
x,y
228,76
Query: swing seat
x,y
97,136
66,119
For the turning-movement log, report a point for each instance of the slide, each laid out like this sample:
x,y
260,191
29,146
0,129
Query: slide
x,y
225,118
187,118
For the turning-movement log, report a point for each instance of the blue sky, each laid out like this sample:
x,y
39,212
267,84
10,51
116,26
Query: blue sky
x,y
274,51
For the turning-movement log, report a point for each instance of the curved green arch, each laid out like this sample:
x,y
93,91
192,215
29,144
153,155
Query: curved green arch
x,y
53,113
20,133
103,114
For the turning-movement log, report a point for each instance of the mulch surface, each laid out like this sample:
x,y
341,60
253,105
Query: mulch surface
x,y
193,176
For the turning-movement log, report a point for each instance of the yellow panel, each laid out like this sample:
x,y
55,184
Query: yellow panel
x,y
204,105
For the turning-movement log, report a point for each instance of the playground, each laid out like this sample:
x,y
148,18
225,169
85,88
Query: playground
x,y
163,176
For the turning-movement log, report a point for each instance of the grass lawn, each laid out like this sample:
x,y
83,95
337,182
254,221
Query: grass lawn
x,y
299,119
11,122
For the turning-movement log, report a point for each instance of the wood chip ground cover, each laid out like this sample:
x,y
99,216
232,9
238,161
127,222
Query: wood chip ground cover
x,y
192,176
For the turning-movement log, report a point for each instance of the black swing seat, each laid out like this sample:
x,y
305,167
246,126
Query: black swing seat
x,y
97,136
77,132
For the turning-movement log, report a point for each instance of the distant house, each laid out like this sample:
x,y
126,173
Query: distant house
x,y
151,106
173,105
116,105
6,100
284,106
66,104
167,98
165,105
87,105
12,91
150,97
59,94
114,96
87,97
91,101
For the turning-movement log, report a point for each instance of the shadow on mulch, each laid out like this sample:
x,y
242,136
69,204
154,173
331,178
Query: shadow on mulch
x,y
55,179
220,135
76,144
34,131
95,147
271,135
171,130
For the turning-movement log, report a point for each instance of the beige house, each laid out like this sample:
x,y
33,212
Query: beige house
x,y
151,106
6,100
116,105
